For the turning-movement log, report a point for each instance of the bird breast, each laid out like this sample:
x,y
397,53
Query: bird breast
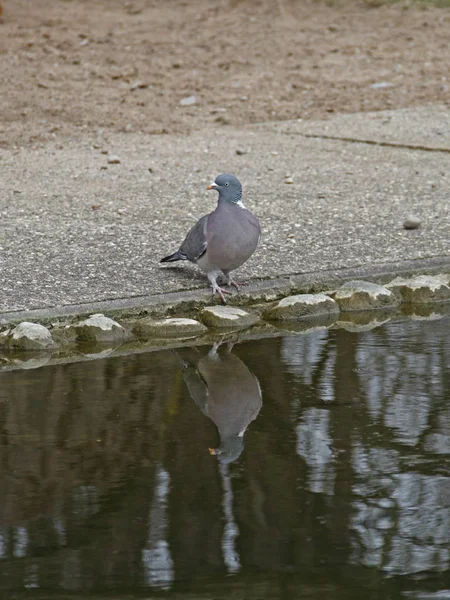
x,y
232,236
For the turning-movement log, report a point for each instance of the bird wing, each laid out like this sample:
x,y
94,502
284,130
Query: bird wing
x,y
194,245
196,385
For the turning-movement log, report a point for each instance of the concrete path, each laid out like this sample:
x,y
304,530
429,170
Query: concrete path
x,y
75,229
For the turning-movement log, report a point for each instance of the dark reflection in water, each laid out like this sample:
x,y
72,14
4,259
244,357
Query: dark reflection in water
x,y
226,392
342,489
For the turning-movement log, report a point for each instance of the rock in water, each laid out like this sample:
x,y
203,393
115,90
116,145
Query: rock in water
x,y
30,336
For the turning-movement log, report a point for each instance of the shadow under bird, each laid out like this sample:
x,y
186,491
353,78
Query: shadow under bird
x,y
223,240
226,391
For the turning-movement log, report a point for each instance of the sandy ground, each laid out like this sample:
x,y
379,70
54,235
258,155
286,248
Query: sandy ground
x,y
71,67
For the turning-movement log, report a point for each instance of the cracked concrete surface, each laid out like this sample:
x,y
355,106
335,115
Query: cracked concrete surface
x,y
424,128
75,229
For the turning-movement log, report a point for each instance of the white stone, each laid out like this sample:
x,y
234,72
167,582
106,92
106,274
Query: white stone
x,y
98,328
30,336
169,327
303,299
364,295
227,316
300,306
422,289
179,321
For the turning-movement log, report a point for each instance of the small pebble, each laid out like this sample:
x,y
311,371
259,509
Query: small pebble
x,y
138,85
220,109
288,180
113,160
411,223
222,119
189,101
381,85
240,151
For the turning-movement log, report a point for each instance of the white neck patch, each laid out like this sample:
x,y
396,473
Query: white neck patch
x,y
240,203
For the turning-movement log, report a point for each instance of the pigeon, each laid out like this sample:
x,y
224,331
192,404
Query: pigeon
x,y
223,240
226,391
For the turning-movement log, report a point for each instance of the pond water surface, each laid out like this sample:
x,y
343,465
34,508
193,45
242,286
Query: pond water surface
x,y
306,466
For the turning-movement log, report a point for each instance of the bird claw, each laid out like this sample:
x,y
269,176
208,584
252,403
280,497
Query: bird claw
x,y
220,291
236,284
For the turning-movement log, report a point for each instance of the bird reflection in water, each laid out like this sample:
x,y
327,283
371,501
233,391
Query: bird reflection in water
x,y
226,391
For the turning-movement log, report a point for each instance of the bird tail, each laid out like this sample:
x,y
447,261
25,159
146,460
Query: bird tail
x,y
178,255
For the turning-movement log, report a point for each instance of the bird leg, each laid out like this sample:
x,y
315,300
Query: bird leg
x,y
216,289
213,353
229,339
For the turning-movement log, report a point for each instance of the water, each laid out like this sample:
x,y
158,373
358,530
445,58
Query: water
x,y
306,466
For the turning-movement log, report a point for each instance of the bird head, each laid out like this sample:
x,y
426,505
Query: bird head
x,y
228,186
230,449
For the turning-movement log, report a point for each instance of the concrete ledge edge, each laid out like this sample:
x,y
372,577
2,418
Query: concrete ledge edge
x,y
190,301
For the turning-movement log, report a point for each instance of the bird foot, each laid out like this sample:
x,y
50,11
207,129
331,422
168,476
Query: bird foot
x,y
220,291
236,284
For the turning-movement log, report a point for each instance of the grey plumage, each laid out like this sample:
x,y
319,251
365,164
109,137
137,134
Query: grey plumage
x,y
223,240
194,245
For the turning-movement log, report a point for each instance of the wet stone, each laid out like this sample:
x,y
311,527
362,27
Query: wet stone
x,y
363,295
4,336
429,311
98,328
36,362
227,316
301,306
306,325
422,289
30,336
171,327
365,320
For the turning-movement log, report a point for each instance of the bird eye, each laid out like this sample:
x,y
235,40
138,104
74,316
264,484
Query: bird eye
x,y
226,183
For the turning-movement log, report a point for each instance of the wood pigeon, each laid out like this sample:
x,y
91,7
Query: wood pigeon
x,y
223,240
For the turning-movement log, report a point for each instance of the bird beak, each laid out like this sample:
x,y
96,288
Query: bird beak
x,y
212,186
212,451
